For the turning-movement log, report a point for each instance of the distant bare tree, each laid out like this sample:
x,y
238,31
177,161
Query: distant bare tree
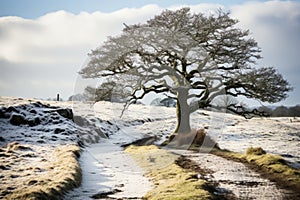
x,y
107,91
191,57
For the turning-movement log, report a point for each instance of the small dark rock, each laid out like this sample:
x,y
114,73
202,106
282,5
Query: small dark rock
x,y
22,107
11,109
38,104
2,113
2,139
22,148
10,188
17,119
66,113
33,111
287,155
14,176
32,182
3,167
55,122
58,130
29,155
5,192
36,121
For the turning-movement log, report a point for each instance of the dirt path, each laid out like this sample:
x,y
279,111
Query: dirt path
x,y
235,177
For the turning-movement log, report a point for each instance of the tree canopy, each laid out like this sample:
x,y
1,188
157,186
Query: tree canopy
x,y
191,57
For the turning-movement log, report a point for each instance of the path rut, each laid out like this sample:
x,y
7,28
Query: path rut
x,y
235,177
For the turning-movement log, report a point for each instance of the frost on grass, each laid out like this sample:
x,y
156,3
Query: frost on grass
x,y
38,150
38,172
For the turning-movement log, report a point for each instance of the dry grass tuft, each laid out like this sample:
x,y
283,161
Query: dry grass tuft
x,y
47,178
255,151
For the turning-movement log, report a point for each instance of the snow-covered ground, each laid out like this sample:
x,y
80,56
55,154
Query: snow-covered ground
x,y
107,168
100,128
275,135
279,136
38,143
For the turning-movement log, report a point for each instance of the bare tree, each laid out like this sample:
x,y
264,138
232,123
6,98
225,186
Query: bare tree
x,y
191,57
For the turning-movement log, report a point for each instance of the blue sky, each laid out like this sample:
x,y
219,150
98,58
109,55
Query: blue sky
x,y
34,8
43,44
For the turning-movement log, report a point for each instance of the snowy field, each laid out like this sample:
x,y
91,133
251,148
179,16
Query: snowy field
x,y
45,126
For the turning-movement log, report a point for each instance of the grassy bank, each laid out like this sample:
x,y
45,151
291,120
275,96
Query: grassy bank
x,y
270,166
47,174
170,180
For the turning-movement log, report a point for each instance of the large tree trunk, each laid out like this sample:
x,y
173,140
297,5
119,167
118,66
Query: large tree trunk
x,y
182,112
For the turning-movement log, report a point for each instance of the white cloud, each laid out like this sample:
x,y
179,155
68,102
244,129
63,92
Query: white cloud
x,y
55,45
204,7
41,57
61,35
275,25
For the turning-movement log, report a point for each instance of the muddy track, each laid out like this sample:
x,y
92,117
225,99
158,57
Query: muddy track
x,y
232,177
204,173
291,189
